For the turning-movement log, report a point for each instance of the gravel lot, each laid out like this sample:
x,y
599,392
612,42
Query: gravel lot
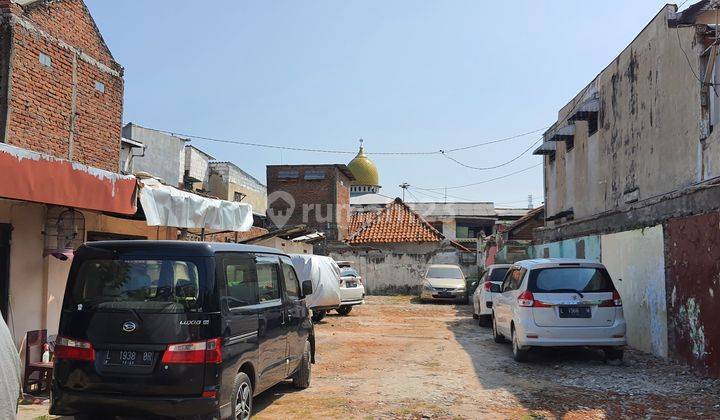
x,y
395,358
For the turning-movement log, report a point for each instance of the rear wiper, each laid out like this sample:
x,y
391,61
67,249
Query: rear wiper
x,y
570,291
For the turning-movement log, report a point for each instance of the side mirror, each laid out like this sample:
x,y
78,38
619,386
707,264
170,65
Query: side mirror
x,y
307,287
495,288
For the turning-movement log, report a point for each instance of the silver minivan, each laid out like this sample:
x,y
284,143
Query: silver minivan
x,y
559,302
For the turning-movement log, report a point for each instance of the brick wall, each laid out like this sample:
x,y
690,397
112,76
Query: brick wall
x,y
46,101
319,203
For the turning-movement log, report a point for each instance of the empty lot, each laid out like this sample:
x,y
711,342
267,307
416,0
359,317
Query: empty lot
x,y
396,358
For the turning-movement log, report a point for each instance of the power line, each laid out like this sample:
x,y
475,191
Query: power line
x,y
343,152
480,168
480,182
692,70
496,141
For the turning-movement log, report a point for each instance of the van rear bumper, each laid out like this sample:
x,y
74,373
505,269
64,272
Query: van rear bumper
x,y
66,402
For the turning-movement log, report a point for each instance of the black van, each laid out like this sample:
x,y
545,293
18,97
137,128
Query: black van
x,y
178,329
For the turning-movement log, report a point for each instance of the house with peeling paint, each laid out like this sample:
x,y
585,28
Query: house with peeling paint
x,y
65,164
632,178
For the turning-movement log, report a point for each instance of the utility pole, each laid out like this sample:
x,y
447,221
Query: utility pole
x,y
404,187
530,201
446,194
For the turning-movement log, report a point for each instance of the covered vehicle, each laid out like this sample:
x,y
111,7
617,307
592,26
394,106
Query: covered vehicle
x,y
325,276
10,378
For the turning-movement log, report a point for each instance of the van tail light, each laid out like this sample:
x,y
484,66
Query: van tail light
x,y
614,302
199,352
487,286
70,349
527,300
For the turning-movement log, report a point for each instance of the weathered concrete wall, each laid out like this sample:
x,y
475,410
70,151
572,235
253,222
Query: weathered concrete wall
x,y
583,247
648,125
637,257
226,179
692,249
399,271
164,154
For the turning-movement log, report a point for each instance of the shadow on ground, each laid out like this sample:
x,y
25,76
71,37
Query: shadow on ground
x,y
576,382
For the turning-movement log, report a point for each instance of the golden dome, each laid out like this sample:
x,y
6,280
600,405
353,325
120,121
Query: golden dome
x,y
363,170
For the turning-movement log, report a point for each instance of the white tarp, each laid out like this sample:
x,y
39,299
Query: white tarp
x,y
167,206
10,377
325,276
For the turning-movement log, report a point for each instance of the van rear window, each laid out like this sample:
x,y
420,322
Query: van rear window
x,y
564,279
172,286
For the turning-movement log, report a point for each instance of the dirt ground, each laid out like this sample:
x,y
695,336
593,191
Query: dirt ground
x,y
396,358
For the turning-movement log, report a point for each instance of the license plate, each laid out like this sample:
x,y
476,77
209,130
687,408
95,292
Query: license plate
x,y
128,358
445,294
575,312
350,284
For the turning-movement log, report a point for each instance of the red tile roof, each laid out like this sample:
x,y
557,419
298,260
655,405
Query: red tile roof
x,y
395,223
359,219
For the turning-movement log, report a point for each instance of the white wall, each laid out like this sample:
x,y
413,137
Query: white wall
x,y
396,272
637,257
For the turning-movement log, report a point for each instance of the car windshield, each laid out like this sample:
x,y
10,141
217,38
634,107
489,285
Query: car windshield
x,y
348,272
145,285
497,274
565,279
444,273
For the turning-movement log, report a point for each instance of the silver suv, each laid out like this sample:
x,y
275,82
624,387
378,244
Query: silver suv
x,y
559,302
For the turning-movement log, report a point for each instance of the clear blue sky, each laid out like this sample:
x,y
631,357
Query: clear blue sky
x,y
403,75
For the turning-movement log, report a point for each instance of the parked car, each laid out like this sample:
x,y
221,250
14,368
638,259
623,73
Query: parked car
x,y
352,290
10,368
558,303
325,277
159,328
488,285
443,282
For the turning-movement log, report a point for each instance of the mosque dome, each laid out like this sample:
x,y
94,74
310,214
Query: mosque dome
x,y
364,170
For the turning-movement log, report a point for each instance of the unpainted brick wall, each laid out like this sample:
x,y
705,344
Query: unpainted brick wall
x,y
319,194
41,97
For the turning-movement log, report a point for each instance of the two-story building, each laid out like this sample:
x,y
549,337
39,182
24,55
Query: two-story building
x,y
632,178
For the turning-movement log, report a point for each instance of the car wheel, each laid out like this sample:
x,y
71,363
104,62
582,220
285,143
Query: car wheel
x,y
613,353
318,315
301,378
475,314
242,399
499,338
519,354
344,310
91,417
484,321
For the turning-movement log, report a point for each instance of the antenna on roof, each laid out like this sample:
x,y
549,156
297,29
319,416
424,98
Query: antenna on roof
x,y
404,187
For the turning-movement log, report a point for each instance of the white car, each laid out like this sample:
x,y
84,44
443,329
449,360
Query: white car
x,y
559,302
488,285
352,291
443,282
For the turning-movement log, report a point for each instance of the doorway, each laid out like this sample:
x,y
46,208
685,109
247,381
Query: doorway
x,y
5,230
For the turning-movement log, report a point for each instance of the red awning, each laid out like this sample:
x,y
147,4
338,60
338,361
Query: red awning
x,y
32,176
